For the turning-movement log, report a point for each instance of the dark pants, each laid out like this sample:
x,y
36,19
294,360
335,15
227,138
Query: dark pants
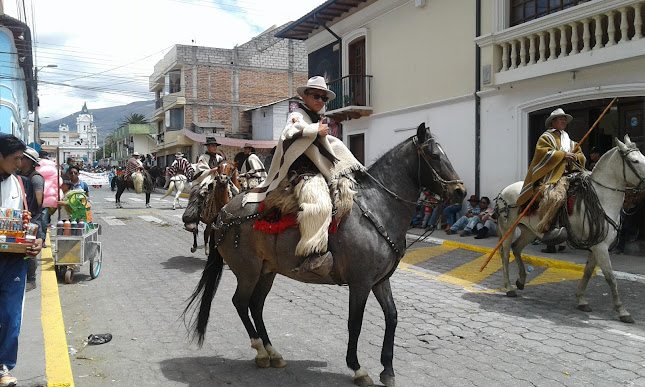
x,y
12,290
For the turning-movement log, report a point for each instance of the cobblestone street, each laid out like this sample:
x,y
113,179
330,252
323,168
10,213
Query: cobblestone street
x,y
447,334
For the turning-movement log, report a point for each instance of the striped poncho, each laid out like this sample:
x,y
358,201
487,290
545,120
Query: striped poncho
x,y
549,163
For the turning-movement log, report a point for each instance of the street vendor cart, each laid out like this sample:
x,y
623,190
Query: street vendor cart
x,y
74,247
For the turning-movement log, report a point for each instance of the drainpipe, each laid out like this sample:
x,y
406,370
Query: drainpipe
x,y
340,44
478,11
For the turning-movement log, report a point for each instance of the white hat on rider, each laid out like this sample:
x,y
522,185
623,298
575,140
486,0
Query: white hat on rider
x,y
136,154
555,114
179,155
318,83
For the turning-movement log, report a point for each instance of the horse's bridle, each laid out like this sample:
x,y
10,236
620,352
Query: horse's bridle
x,y
641,179
435,175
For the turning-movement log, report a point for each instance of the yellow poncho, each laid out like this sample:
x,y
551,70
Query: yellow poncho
x,y
548,164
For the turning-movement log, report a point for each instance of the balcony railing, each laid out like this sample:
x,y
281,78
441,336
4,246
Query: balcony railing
x,y
584,35
351,90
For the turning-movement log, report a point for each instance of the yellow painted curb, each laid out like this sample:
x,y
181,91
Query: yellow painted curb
x,y
530,259
57,364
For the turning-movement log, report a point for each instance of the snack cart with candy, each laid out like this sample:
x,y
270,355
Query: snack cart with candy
x,y
75,240
16,231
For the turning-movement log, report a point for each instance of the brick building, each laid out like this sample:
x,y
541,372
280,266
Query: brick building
x,y
203,91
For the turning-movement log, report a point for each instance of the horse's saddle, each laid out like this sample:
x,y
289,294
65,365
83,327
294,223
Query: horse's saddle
x,y
282,202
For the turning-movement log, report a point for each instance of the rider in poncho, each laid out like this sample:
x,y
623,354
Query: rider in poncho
x,y
313,162
553,158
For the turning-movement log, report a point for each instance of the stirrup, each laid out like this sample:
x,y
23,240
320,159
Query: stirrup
x,y
555,237
318,264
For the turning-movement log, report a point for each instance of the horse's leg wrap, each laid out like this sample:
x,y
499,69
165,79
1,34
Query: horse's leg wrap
x,y
262,359
314,217
276,359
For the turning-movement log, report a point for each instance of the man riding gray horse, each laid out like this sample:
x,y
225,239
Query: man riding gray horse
x,y
312,164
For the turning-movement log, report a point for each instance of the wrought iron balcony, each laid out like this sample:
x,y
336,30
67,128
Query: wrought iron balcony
x,y
353,99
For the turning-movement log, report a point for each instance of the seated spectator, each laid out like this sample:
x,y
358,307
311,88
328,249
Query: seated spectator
x,y
486,226
449,215
429,210
418,211
467,222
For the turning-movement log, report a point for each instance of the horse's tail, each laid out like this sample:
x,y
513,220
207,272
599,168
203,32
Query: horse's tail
x,y
171,186
206,288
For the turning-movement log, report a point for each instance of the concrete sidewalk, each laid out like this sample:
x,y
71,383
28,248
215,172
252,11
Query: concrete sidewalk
x,y
631,267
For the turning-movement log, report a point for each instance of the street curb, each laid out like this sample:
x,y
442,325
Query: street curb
x,y
57,360
530,259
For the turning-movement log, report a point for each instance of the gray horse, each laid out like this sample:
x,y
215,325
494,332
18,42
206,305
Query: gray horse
x,y
367,249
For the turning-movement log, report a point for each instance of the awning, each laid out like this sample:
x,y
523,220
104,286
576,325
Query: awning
x,y
227,141
325,13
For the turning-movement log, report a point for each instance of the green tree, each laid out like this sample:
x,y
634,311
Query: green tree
x,y
134,118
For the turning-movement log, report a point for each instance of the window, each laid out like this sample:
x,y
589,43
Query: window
x,y
173,81
176,119
525,10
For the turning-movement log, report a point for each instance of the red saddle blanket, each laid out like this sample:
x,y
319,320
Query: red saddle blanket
x,y
273,223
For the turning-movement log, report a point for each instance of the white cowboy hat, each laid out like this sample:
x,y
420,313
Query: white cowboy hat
x,y
316,82
32,155
557,113
136,154
179,154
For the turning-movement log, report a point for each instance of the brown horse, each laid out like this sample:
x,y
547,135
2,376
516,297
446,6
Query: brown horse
x,y
218,194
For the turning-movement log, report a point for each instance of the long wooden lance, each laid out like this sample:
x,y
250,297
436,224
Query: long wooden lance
x,y
575,149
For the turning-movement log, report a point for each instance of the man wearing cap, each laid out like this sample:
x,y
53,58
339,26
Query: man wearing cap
x,y
133,165
181,166
208,162
28,169
312,161
553,158
253,168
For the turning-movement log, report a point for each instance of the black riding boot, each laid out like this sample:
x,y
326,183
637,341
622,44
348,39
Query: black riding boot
x,y
555,236
317,263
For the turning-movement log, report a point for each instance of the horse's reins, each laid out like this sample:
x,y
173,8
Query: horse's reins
x,y
641,181
435,176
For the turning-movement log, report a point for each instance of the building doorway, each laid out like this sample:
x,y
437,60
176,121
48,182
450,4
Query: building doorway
x,y
357,146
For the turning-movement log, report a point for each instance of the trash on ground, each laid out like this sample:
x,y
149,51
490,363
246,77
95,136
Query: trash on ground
x,y
100,338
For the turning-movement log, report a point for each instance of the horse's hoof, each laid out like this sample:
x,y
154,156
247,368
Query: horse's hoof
x,y
278,362
627,319
193,249
387,380
584,308
263,362
363,381
511,293
519,285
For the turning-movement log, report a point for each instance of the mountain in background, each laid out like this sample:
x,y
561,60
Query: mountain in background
x,y
106,119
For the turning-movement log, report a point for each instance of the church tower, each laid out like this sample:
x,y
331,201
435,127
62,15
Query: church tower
x,y
87,132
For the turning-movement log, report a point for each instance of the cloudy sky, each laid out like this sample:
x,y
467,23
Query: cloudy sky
x,y
106,50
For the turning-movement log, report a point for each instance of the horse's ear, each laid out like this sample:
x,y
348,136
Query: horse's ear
x,y
628,141
620,145
421,133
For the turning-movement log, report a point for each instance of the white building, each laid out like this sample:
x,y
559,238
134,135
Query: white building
x,y
81,144
483,75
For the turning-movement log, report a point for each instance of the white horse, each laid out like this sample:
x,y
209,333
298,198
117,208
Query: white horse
x,y
178,183
622,166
